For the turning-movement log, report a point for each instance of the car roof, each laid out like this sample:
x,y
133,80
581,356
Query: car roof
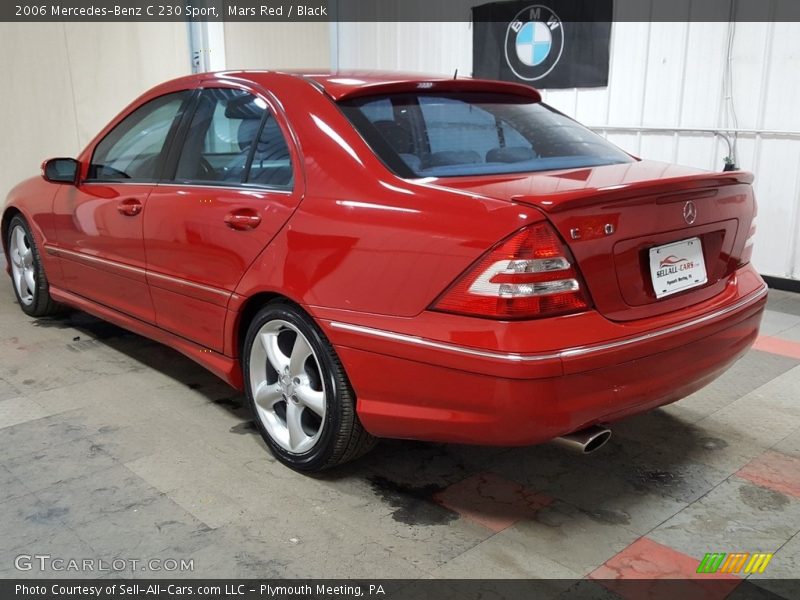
x,y
348,84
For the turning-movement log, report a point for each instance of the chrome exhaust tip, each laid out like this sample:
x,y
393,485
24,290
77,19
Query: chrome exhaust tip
x,y
586,440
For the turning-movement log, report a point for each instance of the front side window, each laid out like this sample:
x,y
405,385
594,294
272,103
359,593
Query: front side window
x,y
441,135
220,144
133,150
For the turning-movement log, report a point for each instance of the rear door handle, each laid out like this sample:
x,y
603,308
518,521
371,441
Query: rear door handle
x,y
130,207
243,219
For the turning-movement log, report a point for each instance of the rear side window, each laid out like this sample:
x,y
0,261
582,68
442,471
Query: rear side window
x,y
220,137
234,139
132,151
271,164
441,135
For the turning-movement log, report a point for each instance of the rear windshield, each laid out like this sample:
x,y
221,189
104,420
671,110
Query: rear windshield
x,y
445,135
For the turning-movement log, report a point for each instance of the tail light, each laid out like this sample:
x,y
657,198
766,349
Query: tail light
x,y
529,275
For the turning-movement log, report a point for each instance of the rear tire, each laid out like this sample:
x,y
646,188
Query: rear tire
x,y
301,399
27,272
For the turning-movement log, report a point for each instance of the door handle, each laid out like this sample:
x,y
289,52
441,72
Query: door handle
x,y
130,207
243,219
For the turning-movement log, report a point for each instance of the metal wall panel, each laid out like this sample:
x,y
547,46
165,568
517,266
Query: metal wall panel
x,y
411,47
277,45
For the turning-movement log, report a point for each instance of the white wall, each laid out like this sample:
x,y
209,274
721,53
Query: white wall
x,y
412,47
277,46
662,75
65,81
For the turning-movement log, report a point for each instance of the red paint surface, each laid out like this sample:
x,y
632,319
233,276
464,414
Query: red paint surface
x,y
355,244
489,401
774,471
492,501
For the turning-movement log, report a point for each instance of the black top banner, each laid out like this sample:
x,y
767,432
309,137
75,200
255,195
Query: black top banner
x,y
377,10
528,42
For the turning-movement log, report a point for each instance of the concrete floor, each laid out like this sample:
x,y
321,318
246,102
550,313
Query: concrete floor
x,y
112,446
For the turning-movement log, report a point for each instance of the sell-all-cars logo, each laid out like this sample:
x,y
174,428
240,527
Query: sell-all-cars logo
x,y
672,260
735,562
672,264
534,42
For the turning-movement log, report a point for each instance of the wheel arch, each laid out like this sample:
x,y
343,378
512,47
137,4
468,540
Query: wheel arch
x,y
340,436
8,214
248,311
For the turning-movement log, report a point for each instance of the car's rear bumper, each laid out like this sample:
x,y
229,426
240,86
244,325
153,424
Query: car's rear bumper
x,y
414,381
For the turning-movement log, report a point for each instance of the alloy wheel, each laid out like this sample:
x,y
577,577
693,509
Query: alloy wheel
x,y
287,386
23,268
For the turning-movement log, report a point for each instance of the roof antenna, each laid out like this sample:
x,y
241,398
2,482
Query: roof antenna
x,y
455,75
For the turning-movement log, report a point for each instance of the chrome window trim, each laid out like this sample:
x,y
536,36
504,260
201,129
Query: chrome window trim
x,y
240,188
243,188
114,182
569,352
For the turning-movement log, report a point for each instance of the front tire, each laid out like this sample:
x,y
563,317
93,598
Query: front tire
x,y
27,272
302,402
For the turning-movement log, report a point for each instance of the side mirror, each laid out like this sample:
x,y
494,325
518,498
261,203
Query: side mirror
x,y
60,170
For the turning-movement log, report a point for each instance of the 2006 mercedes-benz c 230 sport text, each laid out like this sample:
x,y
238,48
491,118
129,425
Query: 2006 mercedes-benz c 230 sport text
x,y
380,255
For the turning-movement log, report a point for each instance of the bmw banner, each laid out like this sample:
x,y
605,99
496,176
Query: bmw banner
x,y
543,43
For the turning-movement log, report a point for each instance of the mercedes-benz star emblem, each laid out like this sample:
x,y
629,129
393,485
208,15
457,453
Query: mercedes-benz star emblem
x,y
689,212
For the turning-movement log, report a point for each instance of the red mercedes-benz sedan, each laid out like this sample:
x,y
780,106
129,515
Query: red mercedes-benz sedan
x,y
379,255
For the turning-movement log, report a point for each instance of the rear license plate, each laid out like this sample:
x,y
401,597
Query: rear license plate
x,y
677,266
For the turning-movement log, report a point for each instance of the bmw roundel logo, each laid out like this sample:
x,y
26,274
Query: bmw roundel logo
x,y
534,42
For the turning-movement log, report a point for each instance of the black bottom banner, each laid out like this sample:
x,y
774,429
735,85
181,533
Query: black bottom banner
x,y
398,589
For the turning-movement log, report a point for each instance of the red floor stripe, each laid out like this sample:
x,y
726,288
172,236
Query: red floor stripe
x,y
492,501
650,561
775,471
776,345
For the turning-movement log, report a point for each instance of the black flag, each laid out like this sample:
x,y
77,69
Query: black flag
x,y
543,43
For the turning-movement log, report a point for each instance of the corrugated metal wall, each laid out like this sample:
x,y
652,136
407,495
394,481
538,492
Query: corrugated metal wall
x,y
664,76
277,45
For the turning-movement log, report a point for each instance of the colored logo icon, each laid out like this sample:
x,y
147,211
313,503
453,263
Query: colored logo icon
x,y
533,43
737,562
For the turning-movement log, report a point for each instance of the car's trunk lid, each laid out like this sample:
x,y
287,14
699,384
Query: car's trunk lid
x,y
612,216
